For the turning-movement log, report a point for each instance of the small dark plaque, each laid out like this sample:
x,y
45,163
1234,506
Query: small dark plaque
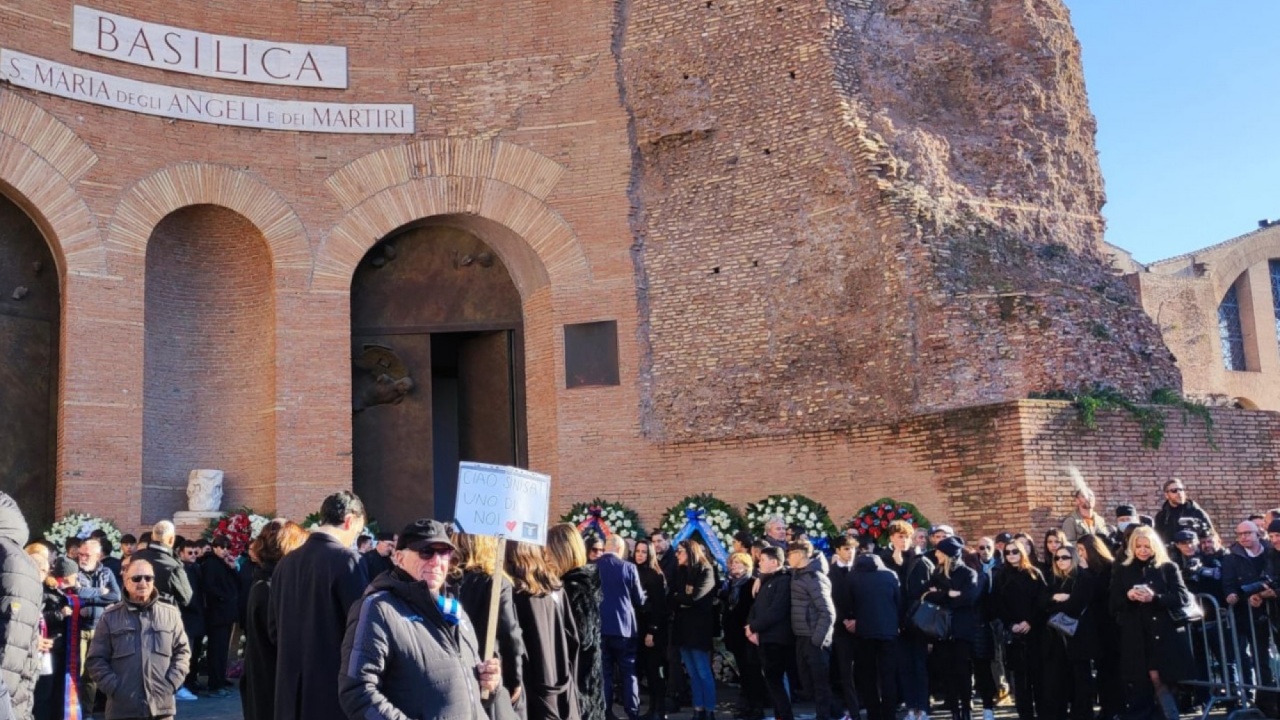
x,y
591,354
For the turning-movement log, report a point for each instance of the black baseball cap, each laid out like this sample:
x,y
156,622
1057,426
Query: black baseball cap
x,y
421,533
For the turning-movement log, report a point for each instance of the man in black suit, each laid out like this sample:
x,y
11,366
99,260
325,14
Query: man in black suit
x,y
311,591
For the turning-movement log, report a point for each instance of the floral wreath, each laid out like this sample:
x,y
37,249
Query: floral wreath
x,y
81,525
794,509
722,518
874,519
240,527
601,519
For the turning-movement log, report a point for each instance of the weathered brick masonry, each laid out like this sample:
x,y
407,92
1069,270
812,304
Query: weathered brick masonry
x,y
840,240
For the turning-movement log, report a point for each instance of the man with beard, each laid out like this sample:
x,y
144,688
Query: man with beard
x,y
407,629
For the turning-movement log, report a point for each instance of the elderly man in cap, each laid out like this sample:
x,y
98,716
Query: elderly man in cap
x,y
410,650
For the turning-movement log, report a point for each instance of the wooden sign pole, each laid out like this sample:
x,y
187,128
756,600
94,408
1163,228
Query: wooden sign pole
x,y
488,648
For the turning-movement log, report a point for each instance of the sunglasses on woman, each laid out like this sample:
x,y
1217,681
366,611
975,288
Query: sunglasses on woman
x,y
1012,553
1062,557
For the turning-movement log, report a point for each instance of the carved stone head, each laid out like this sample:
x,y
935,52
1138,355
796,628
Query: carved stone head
x,y
204,490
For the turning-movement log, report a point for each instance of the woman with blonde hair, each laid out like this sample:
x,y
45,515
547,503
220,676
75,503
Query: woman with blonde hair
x,y
258,684
1068,672
567,556
472,575
1154,649
549,690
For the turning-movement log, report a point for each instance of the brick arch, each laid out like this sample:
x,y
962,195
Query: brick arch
x,y
501,185
40,160
1228,264
154,197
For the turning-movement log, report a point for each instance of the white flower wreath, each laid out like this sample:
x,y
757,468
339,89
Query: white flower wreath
x,y
621,519
794,511
82,525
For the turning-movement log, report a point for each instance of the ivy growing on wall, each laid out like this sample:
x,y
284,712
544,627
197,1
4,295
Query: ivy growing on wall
x,y
1151,417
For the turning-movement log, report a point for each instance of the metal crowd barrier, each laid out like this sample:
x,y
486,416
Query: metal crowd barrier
x,y
1235,657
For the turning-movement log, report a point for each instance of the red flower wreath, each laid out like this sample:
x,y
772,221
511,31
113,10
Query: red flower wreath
x,y
874,519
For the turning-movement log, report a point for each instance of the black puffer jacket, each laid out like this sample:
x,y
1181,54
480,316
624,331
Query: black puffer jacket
x,y
582,587
693,595
21,599
401,658
813,613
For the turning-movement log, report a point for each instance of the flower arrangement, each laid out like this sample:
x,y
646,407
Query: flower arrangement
x,y
602,519
723,519
874,519
795,510
81,525
240,527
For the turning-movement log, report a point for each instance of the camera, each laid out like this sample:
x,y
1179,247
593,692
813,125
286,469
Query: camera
x,y
1263,583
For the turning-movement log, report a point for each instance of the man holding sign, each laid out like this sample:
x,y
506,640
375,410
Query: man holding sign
x,y
410,650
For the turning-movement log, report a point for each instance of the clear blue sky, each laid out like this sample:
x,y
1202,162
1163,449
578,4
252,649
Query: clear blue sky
x,y
1187,96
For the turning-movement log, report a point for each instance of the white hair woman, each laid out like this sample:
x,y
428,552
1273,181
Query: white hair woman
x,y
1155,652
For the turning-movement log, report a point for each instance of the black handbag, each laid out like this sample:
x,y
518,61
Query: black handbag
x,y
1188,611
931,620
1064,624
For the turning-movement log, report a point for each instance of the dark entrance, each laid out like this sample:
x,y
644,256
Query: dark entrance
x,y
438,370
29,314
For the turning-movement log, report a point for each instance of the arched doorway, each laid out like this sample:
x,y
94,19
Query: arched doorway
x,y
29,316
437,369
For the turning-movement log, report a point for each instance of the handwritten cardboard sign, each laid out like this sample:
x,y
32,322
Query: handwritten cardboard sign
x,y
500,500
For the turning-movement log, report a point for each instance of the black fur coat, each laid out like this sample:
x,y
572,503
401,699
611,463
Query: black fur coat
x,y
582,585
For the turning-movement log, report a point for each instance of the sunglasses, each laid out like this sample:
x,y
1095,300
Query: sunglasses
x,y
1012,553
1176,490
142,578
984,547
1061,557
432,551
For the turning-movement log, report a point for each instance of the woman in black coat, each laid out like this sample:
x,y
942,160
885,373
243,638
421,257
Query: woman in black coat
x,y
550,637
735,604
693,629
472,580
954,585
1094,555
258,684
1155,652
567,555
1068,661
651,650
1019,602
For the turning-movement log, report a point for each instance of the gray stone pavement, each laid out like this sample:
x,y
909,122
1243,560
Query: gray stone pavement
x,y
228,708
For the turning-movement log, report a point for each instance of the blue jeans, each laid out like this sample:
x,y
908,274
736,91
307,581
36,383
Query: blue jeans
x,y
698,663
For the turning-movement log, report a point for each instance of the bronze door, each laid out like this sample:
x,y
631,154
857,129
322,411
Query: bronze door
x,y
438,372
29,314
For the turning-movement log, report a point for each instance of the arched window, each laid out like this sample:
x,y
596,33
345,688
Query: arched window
x,y
1274,265
1230,332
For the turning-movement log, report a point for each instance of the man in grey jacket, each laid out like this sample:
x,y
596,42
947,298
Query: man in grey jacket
x,y
410,650
813,615
139,655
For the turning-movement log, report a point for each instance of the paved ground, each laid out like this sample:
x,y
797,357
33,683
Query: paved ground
x,y
228,708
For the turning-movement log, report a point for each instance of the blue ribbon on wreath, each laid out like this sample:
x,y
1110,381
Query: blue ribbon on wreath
x,y
695,520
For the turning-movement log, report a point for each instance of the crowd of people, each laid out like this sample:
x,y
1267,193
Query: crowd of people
x,y
1093,614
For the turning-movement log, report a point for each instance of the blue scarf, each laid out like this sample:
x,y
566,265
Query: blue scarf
x,y
449,608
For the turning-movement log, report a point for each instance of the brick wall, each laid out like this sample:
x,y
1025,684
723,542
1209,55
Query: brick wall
x,y
209,392
821,245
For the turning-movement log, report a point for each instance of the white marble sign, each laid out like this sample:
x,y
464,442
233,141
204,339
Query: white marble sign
x,y
201,53
167,101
